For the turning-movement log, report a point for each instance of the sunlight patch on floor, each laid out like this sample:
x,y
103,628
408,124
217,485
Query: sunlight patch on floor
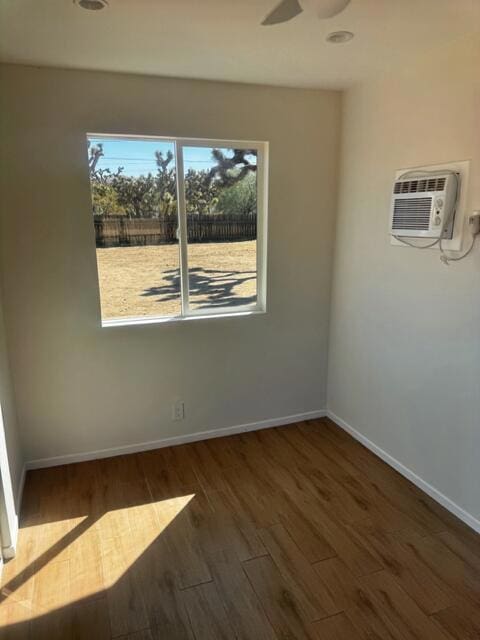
x,y
63,562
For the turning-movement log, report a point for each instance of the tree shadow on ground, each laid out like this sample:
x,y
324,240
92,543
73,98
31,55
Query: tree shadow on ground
x,y
207,287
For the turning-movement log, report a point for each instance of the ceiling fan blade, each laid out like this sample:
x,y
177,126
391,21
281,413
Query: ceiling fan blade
x,y
286,10
329,8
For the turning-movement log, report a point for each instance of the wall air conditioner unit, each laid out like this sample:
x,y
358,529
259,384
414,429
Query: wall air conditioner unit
x,y
423,205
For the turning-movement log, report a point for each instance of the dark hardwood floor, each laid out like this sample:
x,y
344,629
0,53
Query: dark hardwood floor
x,y
290,533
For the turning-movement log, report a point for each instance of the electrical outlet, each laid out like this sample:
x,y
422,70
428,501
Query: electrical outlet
x,y
474,223
178,410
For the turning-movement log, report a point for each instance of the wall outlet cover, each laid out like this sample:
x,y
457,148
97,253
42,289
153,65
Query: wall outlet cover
x,y
178,410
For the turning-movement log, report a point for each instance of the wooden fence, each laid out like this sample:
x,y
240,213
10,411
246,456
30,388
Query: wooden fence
x,y
120,231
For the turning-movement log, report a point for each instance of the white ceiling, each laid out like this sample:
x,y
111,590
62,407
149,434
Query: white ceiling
x,y
223,39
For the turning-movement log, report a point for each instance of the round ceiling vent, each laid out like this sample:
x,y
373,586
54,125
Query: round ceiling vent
x,y
339,37
92,5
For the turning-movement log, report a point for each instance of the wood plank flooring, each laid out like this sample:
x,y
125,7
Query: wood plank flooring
x,y
288,533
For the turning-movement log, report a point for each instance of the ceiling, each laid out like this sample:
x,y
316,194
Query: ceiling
x,y
223,39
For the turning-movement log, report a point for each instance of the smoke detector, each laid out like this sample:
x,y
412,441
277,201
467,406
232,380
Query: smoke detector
x,y
92,5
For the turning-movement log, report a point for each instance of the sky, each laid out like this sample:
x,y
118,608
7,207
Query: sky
x,y
138,156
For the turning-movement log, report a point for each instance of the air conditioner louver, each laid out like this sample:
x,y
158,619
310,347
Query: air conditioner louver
x,y
413,213
419,185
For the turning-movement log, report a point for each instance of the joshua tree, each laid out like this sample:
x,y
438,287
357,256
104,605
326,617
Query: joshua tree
x,y
229,171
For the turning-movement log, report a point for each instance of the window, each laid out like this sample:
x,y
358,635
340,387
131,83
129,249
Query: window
x,y
180,227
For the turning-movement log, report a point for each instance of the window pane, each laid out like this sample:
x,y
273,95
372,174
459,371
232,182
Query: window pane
x,y
134,199
221,208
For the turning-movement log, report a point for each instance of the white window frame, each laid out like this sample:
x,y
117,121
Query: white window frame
x,y
187,313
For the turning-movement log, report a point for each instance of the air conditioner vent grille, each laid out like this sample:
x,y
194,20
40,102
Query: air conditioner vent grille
x,y
412,213
420,185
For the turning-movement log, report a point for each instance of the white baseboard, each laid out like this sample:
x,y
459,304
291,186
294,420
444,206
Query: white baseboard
x,y
434,493
174,440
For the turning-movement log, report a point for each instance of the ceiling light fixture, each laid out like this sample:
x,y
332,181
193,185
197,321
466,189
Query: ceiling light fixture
x,y
339,37
92,5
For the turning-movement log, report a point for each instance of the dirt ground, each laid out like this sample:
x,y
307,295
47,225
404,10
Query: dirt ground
x,y
143,281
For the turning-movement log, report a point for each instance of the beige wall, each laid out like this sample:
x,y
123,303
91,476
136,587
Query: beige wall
x,y
82,388
404,364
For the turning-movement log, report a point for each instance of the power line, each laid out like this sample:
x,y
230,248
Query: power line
x,y
141,159
103,158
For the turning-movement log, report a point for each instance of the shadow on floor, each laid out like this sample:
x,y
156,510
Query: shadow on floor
x,y
96,553
207,287
118,548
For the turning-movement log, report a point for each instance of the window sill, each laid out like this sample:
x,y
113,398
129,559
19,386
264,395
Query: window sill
x,y
127,322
